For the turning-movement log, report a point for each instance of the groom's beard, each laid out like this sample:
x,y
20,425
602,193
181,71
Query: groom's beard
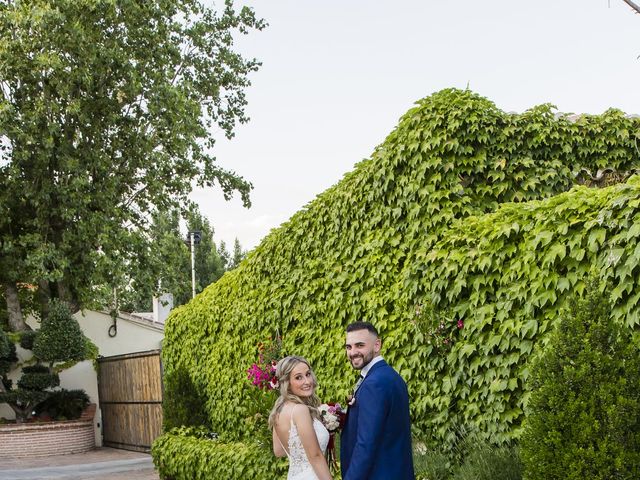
x,y
361,360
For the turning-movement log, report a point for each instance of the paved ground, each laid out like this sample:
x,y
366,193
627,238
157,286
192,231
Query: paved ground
x,y
99,464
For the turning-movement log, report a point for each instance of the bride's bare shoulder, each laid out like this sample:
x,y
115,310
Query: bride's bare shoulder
x,y
300,412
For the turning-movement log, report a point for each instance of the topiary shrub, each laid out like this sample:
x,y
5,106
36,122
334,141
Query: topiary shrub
x,y
59,338
583,417
64,405
38,377
27,338
32,389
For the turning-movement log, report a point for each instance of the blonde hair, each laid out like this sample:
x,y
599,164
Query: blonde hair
x,y
283,374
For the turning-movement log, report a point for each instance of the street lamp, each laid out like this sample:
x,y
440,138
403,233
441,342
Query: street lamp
x,y
194,239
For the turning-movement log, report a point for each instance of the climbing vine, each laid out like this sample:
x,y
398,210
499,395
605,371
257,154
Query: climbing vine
x,y
475,214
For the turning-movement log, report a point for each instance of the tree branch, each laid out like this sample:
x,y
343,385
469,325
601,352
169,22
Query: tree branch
x,y
633,5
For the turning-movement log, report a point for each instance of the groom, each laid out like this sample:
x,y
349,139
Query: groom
x,y
375,443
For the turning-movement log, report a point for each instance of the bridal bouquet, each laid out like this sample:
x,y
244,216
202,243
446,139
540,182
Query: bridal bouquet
x,y
332,416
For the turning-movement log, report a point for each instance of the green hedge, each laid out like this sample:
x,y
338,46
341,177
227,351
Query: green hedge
x,y
182,455
463,213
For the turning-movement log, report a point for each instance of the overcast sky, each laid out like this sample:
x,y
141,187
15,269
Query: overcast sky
x,y
337,75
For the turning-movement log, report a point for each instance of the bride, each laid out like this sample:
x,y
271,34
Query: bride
x,y
295,422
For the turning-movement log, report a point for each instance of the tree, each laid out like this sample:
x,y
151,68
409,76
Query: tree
x,y
238,254
209,265
167,267
107,113
224,255
162,267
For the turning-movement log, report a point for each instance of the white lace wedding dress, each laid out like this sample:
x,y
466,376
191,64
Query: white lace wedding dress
x,y
299,466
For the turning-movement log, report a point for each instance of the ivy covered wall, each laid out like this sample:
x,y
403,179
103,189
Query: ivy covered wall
x,y
465,216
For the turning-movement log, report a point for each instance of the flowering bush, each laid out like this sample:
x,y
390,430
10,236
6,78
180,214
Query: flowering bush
x,y
263,376
263,372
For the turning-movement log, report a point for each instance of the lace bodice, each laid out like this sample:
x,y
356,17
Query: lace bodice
x,y
299,466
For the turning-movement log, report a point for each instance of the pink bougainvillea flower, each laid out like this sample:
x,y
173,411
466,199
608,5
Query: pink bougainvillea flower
x,y
460,324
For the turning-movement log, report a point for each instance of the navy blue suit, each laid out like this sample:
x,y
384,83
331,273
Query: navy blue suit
x,y
375,443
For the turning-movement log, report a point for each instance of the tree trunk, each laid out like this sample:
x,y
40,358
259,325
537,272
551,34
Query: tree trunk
x,y
66,294
16,321
44,295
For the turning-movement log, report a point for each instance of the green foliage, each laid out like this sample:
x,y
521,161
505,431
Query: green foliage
x,y
27,338
31,388
238,254
109,112
583,417
184,403
464,211
38,377
210,266
7,360
5,349
181,455
467,457
7,357
64,404
167,267
23,401
486,462
60,337
432,465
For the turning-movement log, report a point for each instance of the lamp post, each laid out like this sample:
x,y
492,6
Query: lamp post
x,y
194,239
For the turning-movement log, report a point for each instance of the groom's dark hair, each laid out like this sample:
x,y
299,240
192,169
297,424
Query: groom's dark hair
x,y
352,327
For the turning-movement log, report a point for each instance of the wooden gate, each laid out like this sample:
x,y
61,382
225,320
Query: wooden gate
x,y
130,393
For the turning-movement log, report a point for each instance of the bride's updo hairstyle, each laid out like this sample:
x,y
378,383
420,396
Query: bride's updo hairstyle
x,y
283,374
